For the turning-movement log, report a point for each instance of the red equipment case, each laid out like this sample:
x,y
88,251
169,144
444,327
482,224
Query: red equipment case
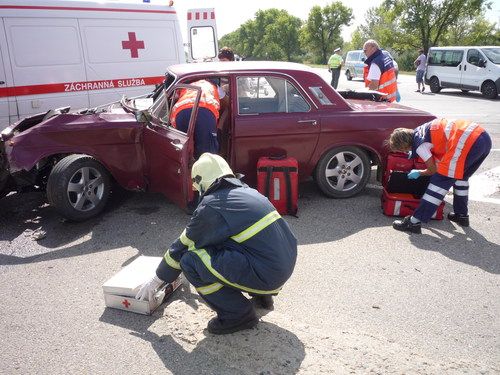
x,y
402,204
278,180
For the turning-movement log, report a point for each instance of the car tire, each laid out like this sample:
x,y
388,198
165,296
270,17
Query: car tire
x,y
343,172
489,90
434,85
78,187
348,75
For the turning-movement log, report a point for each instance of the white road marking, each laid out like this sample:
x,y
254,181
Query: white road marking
x,y
483,186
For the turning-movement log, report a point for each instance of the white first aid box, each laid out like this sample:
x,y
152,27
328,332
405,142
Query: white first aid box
x,y
120,290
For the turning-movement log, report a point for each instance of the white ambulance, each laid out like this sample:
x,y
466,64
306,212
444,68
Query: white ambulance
x,y
82,54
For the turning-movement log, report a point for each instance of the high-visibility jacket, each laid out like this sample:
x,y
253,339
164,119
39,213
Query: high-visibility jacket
x,y
388,81
209,99
240,237
451,140
335,61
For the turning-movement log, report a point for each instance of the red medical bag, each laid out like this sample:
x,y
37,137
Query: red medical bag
x,y
278,180
400,204
404,201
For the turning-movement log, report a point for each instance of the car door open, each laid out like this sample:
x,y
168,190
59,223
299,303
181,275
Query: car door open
x,y
169,151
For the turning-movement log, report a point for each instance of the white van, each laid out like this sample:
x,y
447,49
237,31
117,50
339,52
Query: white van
x,y
470,68
58,53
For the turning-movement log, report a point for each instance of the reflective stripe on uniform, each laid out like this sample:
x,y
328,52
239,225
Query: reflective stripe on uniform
x,y
389,82
186,241
448,128
463,193
209,289
437,189
257,227
461,183
431,199
171,261
458,149
205,258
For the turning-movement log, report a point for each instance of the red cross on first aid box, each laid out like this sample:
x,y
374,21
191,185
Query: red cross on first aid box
x,y
120,290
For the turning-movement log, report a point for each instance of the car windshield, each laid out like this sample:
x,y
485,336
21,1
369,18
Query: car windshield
x,y
493,54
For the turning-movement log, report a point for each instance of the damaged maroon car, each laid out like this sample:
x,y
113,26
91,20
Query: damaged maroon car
x,y
274,109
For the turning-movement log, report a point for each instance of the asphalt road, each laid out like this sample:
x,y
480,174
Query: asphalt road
x,y
363,298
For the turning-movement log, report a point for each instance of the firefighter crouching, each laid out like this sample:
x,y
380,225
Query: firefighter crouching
x,y
235,242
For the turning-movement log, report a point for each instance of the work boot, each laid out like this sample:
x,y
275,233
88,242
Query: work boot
x,y
224,326
265,301
462,220
405,225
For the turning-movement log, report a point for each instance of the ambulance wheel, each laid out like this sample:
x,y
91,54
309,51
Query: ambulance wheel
x,y
348,75
489,90
78,187
343,172
434,85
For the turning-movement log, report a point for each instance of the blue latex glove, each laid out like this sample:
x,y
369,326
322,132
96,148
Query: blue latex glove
x,y
398,96
414,174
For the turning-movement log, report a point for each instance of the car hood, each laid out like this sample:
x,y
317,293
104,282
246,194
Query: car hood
x,y
55,117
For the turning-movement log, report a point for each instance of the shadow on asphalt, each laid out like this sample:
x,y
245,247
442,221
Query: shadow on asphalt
x,y
469,247
149,223
280,351
469,95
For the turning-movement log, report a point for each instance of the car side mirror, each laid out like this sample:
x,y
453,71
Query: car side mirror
x,y
482,63
363,59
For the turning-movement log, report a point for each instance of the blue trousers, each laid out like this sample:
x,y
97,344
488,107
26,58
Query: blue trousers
x,y
205,131
227,302
439,184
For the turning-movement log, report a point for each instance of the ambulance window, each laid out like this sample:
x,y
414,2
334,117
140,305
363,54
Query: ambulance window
x,y
203,43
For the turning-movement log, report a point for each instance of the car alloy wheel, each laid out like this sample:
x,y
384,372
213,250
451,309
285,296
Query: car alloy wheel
x,y
85,189
343,172
78,187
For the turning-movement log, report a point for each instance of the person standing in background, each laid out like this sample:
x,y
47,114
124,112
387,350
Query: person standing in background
x,y
379,73
334,65
420,63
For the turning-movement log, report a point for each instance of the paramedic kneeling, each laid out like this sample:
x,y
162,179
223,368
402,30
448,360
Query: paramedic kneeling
x,y
235,242
452,150
205,132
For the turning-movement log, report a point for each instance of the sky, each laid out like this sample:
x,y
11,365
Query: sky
x,y
230,14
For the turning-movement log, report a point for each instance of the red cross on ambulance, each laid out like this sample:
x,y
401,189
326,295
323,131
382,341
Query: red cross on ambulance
x,y
133,45
126,303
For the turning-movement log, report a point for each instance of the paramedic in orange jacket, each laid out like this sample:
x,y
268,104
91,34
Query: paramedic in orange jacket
x,y
205,132
452,150
379,73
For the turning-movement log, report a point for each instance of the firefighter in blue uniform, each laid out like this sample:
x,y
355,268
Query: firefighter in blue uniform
x,y
235,242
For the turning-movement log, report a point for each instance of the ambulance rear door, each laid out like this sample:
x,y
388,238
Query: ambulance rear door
x,y
202,35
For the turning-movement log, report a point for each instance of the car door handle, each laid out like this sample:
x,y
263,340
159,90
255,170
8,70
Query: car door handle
x,y
312,122
177,144
2,82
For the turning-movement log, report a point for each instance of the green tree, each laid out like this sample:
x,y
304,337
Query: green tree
x,y
322,29
272,35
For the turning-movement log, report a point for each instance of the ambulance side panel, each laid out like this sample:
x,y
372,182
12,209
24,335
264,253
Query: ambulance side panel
x,y
202,35
134,54
45,52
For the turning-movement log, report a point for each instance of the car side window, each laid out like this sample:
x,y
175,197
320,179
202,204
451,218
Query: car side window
x,y
267,94
473,57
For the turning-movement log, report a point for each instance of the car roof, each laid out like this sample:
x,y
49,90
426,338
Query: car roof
x,y
237,66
